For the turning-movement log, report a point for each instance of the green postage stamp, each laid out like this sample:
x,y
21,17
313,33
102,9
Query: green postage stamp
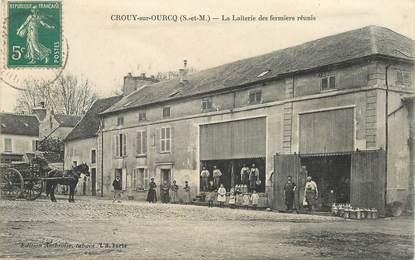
x,y
34,34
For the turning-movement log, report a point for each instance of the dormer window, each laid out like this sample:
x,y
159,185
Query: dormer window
x,y
142,116
255,96
328,82
263,73
206,103
166,112
403,77
120,120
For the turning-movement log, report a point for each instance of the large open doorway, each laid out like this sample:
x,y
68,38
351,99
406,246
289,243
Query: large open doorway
x,y
231,170
332,174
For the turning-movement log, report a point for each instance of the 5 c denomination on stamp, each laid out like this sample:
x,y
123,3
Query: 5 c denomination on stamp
x,y
34,34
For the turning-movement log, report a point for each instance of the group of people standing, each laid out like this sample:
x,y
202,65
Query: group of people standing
x,y
168,192
236,197
248,177
310,193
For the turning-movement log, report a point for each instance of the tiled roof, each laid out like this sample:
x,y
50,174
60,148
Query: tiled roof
x,y
17,124
363,42
67,120
89,124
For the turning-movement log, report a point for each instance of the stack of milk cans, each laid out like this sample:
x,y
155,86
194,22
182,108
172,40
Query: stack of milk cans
x,y
349,212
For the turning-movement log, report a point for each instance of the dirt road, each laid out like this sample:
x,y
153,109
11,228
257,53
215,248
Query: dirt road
x,y
100,229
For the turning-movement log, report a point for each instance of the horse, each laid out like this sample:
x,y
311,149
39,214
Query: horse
x,y
67,177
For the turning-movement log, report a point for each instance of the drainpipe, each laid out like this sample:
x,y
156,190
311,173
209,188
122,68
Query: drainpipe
x,y
386,130
102,159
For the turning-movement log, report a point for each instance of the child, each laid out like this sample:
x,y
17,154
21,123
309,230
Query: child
x,y
245,200
254,199
221,195
210,197
232,199
187,191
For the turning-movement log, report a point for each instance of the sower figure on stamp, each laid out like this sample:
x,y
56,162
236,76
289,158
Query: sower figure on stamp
x,y
253,177
216,176
204,175
30,29
174,189
244,174
289,189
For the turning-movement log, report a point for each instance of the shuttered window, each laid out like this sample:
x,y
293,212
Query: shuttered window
x,y
233,140
327,131
165,139
141,142
120,145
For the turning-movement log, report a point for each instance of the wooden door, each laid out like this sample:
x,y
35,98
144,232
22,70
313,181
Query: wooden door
x,y
284,166
367,189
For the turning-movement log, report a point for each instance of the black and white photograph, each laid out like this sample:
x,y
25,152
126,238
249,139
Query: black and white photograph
x,y
209,129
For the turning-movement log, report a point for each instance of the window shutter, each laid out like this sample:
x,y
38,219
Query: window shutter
x,y
146,179
399,76
332,82
171,139
124,144
144,137
138,143
115,145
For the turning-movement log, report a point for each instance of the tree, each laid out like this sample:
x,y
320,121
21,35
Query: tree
x,y
68,94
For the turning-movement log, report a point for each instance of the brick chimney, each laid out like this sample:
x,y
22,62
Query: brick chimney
x,y
132,83
40,111
183,73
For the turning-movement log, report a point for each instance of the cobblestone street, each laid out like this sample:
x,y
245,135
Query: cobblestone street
x,y
99,229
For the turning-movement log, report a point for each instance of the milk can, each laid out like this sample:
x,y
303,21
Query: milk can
x,y
358,213
334,209
346,213
375,213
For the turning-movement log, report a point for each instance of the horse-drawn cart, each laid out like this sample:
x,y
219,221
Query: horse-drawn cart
x,y
20,180
26,180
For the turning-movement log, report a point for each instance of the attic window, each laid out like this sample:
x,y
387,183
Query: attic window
x,y
174,93
263,73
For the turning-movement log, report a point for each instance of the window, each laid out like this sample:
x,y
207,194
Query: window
x,y
120,145
142,116
120,120
206,103
403,77
165,139
263,73
7,144
255,96
328,82
34,145
93,156
140,179
166,112
141,143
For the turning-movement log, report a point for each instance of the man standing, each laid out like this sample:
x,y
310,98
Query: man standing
x,y
289,190
164,192
117,189
244,174
310,193
253,177
204,175
216,176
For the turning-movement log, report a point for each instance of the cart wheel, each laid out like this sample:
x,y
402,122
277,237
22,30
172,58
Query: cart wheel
x,y
11,184
33,189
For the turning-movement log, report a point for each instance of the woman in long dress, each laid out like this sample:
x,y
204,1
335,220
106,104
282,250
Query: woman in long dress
x,y
310,193
221,195
30,28
151,195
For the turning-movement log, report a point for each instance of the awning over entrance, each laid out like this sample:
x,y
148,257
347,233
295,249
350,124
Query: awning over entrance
x,y
233,140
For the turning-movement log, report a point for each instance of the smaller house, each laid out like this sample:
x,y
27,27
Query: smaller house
x,y
81,144
19,135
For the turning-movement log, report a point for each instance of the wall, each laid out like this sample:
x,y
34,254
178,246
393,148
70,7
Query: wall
x,y
80,151
20,144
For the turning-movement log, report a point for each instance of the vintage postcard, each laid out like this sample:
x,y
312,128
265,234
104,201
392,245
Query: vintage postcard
x,y
187,129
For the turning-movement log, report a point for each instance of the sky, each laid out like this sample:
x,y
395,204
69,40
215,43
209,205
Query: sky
x,y
104,51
